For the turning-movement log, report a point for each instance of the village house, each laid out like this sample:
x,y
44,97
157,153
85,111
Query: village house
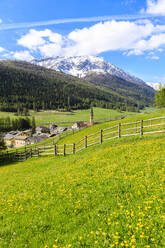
x,y
79,124
58,130
37,138
9,138
40,130
26,133
52,127
21,141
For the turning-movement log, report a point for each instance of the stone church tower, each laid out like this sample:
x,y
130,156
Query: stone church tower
x,y
91,118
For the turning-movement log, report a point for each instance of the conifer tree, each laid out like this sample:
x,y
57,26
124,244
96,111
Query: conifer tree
x,y
33,125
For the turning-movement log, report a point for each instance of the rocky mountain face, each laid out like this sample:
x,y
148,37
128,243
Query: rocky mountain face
x,y
80,66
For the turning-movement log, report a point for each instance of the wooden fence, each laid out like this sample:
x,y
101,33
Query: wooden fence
x,y
143,127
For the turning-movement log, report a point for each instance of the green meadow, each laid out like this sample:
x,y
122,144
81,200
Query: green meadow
x,y
147,114
109,195
100,115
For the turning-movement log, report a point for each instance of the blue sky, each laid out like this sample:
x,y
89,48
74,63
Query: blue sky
x,y
128,33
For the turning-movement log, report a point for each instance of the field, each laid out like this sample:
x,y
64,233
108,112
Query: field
x,y
93,129
110,195
70,138
100,115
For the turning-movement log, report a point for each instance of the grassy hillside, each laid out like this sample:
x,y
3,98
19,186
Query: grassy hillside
x,y
104,114
125,88
106,196
93,129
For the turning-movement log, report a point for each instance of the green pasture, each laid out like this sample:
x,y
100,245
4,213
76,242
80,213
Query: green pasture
x,y
110,195
71,137
96,128
100,115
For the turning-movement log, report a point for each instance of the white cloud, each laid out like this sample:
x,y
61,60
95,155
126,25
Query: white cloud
x,y
0,21
33,39
156,7
132,38
51,50
22,55
101,37
155,57
153,43
2,49
139,16
40,39
108,36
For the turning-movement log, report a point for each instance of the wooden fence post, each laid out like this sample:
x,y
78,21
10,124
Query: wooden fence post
x,y
55,150
26,155
85,141
101,136
16,155
38,152
31,153
64,150
141,129
74,148
119,130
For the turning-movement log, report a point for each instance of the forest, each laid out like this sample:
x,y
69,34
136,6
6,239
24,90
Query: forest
x,y
24,86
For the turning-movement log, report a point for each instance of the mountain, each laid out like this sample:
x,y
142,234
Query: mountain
x,y
102,74
80,66
25,86
123,87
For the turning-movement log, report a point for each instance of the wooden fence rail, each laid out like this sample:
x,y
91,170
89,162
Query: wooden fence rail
x,y
150,126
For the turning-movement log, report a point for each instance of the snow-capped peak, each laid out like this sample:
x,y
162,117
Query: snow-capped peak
x,y
156,86
79,66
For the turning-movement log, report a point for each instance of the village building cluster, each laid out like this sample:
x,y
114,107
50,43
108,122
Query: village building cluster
x,y
15,139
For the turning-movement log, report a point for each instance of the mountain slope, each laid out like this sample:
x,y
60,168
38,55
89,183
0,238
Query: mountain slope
x,y
123,87
25,85
103,74
79,66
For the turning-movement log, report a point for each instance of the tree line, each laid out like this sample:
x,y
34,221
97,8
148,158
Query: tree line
x,y
7,124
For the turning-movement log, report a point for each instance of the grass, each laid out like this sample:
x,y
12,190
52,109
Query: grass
x,y
110,195
100,115
93,129
70,138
